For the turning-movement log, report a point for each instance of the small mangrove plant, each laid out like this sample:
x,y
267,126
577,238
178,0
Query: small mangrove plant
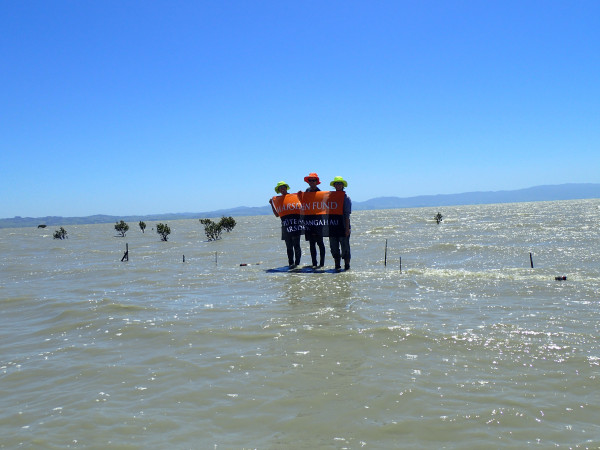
x,y
163,230
121,228
61,233
213,230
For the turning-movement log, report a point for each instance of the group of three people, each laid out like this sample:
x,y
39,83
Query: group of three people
x,y
339,245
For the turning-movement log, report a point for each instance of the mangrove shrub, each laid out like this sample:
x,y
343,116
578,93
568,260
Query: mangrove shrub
x,y
121,228
164,231
228,223
60,233
213,230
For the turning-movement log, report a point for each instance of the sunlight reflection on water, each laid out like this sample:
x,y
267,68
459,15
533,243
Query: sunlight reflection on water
x,y
466,346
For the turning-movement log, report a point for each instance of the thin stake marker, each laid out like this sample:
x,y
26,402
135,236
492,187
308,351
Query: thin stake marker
x,y
531,259
385,255
126,255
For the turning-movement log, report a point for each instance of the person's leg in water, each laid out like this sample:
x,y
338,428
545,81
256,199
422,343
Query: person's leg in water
x,y
321,245
297,249
312,243
345,244
334,246
290,250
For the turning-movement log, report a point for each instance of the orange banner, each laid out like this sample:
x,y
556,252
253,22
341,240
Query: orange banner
x,y
320,213
310,203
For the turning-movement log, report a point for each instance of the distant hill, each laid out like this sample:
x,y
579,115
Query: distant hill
x,y
533,194
570,191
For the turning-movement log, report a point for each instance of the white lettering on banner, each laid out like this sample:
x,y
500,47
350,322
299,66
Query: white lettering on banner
x,y
302,223
306,206
288,222
289,207
321,222
321,205
294,228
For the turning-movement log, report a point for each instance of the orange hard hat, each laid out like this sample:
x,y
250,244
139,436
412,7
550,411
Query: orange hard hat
x,y
312,175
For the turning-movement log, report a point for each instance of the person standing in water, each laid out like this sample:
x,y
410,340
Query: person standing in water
x,y
292,241
314,239
335,242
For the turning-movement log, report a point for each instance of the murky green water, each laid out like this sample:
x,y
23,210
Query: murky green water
x,y
466,347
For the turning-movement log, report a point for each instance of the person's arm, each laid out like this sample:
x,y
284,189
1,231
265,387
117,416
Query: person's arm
x,y
273,208
347,212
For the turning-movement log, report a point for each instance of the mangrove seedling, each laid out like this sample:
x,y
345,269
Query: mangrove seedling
x,y
211,229
164,231
60,233
121,228
228,223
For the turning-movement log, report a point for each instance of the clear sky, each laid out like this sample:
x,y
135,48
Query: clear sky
x,y
141,107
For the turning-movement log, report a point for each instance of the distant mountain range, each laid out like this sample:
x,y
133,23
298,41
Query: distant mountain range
x,y
570,191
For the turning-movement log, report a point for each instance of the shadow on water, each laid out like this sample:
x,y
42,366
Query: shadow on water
x,y
304,269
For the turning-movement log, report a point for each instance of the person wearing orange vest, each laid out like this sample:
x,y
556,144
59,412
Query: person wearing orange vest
x,y
292,242
314,239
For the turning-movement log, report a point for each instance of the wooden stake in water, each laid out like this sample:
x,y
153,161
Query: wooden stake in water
x,y
215,258
126,255
531,259
401,264
183,258
385,255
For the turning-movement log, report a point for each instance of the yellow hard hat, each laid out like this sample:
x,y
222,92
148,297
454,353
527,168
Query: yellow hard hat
x,y
338,180
282,183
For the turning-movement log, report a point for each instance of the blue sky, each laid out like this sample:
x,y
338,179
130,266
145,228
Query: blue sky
x,y
143,107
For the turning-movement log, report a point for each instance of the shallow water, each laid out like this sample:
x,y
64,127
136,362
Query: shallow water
x,y
466,346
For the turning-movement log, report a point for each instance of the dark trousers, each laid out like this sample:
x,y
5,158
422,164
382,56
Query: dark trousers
x,y
337,242
294,252
315,240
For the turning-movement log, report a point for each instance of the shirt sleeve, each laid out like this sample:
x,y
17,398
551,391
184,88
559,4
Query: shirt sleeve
x,y
347,206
